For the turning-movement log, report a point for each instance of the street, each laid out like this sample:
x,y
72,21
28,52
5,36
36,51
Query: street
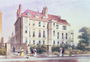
x,y
46,59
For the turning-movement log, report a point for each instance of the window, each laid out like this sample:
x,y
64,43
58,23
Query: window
x,y
53,33
39,42
28,14
53,24
39,24
29,34
43,25
64,27
25,31
58,42
62,36
43,42
39,34
33,33
66,35
43,33
57,35
57,26
53,42
34,42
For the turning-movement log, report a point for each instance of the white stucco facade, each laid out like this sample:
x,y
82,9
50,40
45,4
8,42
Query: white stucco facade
x,y
41,28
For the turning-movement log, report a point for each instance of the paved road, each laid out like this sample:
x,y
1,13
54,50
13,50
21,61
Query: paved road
x,y
45,59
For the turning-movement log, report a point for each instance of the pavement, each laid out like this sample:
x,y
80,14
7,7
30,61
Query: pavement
x,y
42,58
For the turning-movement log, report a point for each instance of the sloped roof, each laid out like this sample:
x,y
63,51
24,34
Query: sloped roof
x,y
32,15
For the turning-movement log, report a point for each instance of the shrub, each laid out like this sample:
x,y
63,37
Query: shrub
x,y
41,49
55,49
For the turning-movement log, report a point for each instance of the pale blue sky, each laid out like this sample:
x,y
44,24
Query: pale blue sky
x,y
76,12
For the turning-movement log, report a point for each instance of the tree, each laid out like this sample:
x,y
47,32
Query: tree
x,y
84,38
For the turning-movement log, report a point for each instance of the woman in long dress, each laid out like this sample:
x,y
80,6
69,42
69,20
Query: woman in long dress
x,y
60,52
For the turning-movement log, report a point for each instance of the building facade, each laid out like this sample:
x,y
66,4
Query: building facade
x,y
41,28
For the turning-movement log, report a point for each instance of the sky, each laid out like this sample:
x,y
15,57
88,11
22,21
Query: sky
x,y
76,12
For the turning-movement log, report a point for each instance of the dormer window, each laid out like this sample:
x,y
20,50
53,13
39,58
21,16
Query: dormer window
x,y
28,14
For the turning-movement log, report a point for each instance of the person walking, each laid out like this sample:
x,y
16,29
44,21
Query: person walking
x,y
60,52
22,52
35,52
63,51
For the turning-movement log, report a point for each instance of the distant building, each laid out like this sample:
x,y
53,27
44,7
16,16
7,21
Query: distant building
x,y
1,37
0,22
41,28
0,27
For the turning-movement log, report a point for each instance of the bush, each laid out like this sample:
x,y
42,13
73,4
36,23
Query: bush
x,y
55,49
41,49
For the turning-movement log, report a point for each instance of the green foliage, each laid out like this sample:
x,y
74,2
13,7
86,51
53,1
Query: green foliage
x,y
84,38
40,48
55,48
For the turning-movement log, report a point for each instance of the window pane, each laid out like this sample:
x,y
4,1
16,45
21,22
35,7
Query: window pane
x,y
33,34
39,24
64,27
62,36
53,33
43,33
39,34
66,35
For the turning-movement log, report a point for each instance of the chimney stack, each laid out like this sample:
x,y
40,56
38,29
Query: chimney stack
x,y
19,11
44,11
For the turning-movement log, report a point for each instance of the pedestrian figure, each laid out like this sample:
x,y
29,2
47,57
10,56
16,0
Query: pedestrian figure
x,y
13,49
28,50
35,52
63,51
60,52
22,52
